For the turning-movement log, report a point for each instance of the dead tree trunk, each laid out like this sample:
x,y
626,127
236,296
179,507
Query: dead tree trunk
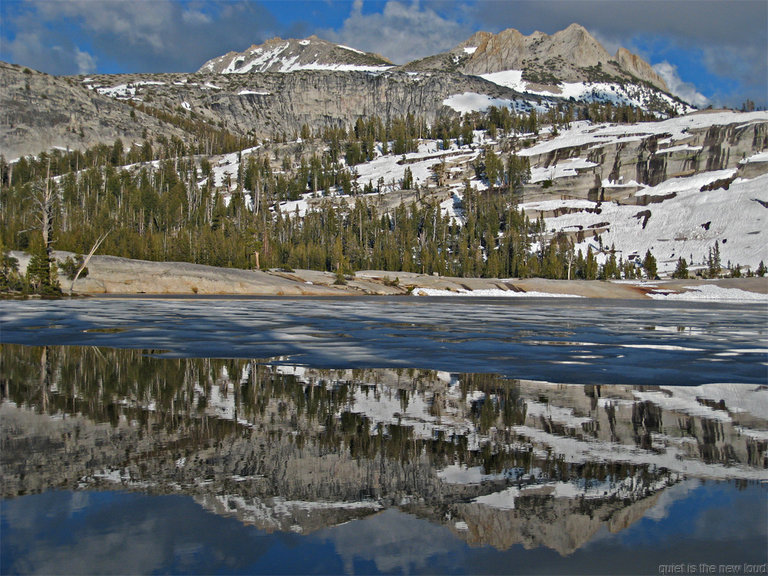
x,y
88,258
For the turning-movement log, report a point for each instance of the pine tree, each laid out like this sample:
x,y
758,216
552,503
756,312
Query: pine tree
x,y
611,267
681,271
590,265
713,261
41,274
10,280
649,265
407,179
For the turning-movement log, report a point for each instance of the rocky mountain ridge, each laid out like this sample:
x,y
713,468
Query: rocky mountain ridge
x,y
102,108
570,55
312,53
40,112
281,85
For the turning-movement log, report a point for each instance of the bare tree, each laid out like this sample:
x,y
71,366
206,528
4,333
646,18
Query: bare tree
x,y
45,199
39,268
88,258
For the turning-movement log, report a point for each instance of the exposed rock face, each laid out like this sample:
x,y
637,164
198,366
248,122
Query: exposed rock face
x,y
272,103
278,55
638,67
40,112
650,159
570,55
563,53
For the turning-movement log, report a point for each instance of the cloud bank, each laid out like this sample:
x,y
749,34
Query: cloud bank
x,y
83,36
714,50
401,32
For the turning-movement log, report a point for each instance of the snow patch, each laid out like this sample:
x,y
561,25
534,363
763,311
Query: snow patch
x,y
685,225
491,292
712,293
563,169
474,102
355,50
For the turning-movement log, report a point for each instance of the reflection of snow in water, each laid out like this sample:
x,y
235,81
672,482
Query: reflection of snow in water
x,y
556,417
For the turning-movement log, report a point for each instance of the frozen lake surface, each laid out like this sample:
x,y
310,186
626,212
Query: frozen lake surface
x,y
559,340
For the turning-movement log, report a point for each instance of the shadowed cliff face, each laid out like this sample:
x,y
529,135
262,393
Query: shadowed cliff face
x,y
268,104
646,162
500,461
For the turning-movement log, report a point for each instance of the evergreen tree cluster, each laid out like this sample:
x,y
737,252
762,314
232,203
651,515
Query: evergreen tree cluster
x,y
160,201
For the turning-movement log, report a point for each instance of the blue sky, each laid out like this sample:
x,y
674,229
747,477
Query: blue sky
x,y
709,51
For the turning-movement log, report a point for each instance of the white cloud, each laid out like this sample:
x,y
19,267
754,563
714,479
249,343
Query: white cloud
x,y
677,86
400,32
86,63
195,17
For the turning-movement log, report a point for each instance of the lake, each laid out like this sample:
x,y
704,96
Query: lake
x,y
383,435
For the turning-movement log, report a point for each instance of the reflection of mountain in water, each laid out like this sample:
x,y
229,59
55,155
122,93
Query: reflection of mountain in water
x,y
499,461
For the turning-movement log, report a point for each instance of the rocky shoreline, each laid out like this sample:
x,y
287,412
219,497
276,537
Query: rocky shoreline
x,y
122,276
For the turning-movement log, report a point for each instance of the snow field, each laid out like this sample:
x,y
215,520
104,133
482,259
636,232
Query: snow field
x,y
586,91
687,225
711,294
585,134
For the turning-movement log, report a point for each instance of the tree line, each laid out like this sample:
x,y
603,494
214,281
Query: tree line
x,y
158,200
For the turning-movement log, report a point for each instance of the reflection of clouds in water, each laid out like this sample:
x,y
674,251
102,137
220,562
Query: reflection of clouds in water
x,y
45,507
395,542
743,518
122,533
668,497
131,546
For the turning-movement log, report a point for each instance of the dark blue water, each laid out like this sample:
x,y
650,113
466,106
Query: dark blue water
x,y
125,533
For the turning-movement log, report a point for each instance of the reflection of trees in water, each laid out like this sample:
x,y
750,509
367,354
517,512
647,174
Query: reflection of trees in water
x,y
257,432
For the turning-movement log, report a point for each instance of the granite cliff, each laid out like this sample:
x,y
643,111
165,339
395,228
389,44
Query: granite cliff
x,y
282,85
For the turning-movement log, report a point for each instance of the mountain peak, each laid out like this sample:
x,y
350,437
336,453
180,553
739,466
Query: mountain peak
x,y
575,28
561,54
569,55
289,55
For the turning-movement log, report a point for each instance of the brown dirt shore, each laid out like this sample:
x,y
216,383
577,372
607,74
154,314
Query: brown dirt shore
x,y
113,275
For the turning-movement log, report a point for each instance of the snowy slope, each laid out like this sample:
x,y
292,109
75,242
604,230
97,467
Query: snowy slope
x,y
284,56
686,225
587,134
615,93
